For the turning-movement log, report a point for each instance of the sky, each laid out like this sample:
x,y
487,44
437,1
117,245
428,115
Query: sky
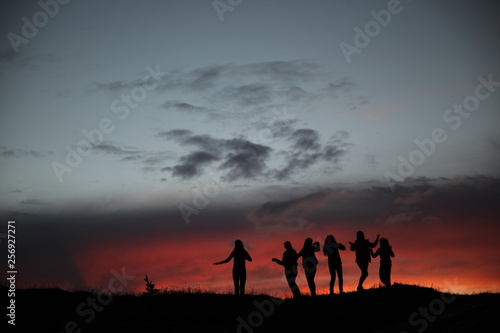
x,y
145,137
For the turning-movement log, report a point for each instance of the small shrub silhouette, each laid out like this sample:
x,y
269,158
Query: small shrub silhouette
x,y
150,287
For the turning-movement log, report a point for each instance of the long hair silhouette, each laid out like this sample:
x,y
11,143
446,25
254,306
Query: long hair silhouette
x,y
385,252
331,249
362,247
240,255
309,262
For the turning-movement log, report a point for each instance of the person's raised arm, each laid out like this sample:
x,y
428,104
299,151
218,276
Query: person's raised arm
x,y
316,246
247,256
376,242
228,259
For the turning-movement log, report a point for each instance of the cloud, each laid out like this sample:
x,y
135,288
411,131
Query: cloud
x,y
34,202
305,139
247,95
9,57
239,158
113,148
246,160
192,164
309,201
306,150
18,153
183,107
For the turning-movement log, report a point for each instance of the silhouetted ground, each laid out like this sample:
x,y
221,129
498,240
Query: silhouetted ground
x,y
396,309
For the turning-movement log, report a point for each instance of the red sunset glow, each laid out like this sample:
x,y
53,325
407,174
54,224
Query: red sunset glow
x,y
458,259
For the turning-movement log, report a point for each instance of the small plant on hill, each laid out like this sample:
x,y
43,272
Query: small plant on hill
x,y
150,287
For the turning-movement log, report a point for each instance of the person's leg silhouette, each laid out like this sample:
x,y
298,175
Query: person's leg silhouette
x,y
363,266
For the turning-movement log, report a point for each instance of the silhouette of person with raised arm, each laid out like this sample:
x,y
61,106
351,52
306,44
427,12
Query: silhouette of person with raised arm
x,y
289,261
309,262
331,249
363,247
385,252
240,255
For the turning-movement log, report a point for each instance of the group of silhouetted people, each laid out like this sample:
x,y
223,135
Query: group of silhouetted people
x,y
362,246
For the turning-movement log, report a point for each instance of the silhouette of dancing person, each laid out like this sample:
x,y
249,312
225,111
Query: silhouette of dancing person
x,y
239,270
289,261
385,252
309,262
331,249
363,248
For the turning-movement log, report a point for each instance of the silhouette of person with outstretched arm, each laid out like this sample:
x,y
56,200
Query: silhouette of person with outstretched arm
x,y
385,252
309,262
331,249
363,247
289,261
240,255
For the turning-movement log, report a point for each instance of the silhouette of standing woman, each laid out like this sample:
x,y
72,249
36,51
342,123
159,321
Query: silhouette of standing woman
x,y
363,248
385,253
289,261
309,262
331,249
239,270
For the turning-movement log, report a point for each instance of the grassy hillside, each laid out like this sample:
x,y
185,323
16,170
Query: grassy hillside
x,y
398,309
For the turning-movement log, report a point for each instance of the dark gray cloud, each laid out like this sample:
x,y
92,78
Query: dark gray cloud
x,y
230,89
18,153
191,165
245,160
183,107
238,157
417,201
285,206
305,139
34,202
307,150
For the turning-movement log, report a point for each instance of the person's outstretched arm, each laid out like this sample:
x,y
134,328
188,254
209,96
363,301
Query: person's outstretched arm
x,y
341,246
353,246
374,255
228,259
279,262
